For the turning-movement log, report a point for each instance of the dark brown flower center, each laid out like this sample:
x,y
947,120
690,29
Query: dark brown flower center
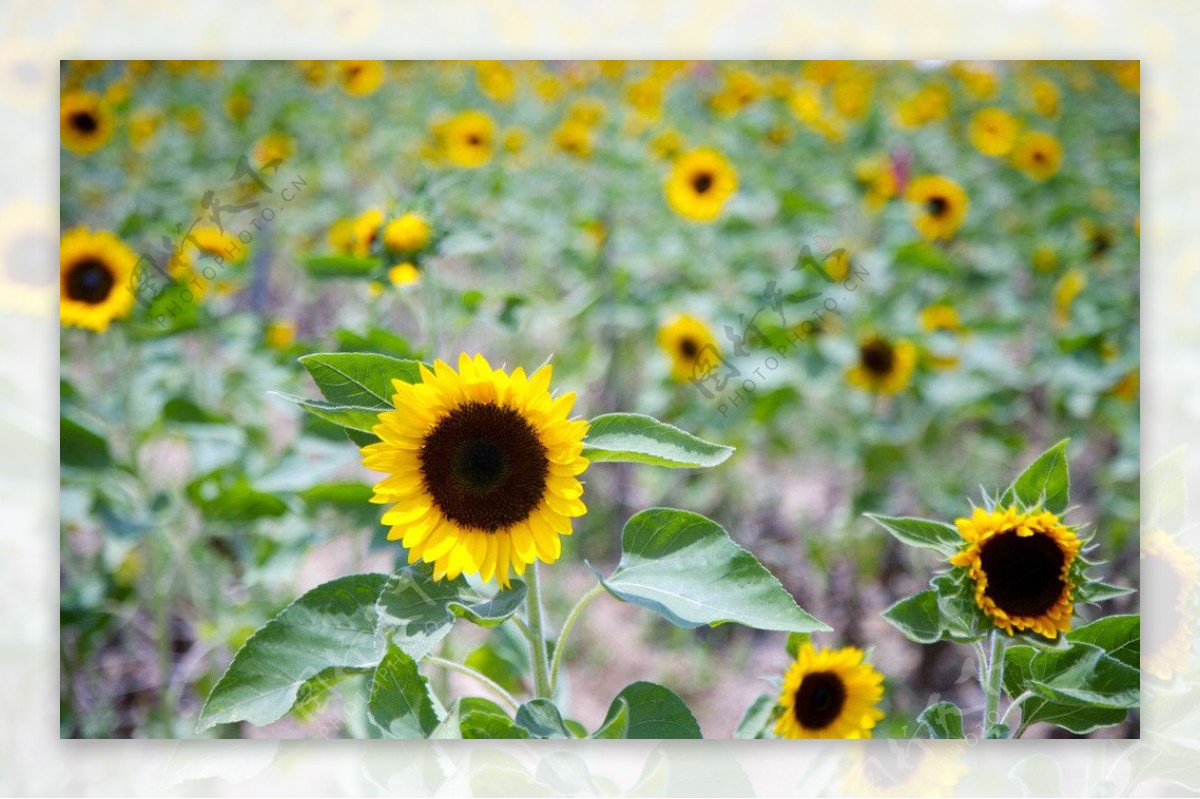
x,y
484,466
819,700
877,357
85,122
1159,628
89,280
474,139
688,347
937,206
702,182
1024,573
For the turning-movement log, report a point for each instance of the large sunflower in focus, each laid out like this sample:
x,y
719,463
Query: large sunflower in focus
x,y
829,693
883,367
1022,564
483,469
94,270
685,340
700,183
84,122
940,204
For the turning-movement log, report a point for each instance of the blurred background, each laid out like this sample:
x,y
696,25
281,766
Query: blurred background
x,y
888,284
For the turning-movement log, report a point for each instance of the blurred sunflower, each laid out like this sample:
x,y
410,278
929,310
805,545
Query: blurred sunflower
x,y
1068,287
274,146
573,138
364,231
687,342
360,78
993,131
940,205
1127,386
216,243
483,469
280,334
470,139
851,92
1038,155
404,274
883,367
496,81
1044,258
1167,635
1045,96
876,176
409,232
700,183
667,144
940,316
85,122
316,73
829,693
95,270
143,125
238,105
1022,564
740,88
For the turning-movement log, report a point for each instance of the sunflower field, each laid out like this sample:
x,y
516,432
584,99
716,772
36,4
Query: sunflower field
x,y
601,400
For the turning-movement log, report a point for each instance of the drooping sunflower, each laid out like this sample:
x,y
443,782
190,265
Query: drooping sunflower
x,y
84,122
829,693
94,272
483,469
1167,632
360,78
940,204
1038,155
408,232
884,367
700,183
470,139
993,131
689,344
1024,568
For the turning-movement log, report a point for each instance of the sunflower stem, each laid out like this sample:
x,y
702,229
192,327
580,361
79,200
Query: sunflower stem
x,y
994,685
537,639
491,685
572,617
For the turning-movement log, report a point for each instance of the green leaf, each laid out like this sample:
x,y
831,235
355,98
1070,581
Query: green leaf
x,y
756,718
794,642
943,720
476,706
1044,483
922,533
81,447
616,724
401,703
359,379
542,719
1080,719
348,416
486,725
333,625
687,569
654,712
352,494
236,502
419,612
1094,592
917,617
1118,636
635,438
924,257
331,266
1083,674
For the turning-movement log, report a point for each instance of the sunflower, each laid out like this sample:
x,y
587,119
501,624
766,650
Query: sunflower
x,y
143,125
274,146
1038,155
829,693
84,122
667,144
483,469
700,183
940,316
1167,634
360,78
470,139
95,270
212,242
280,334
409,232
1046,97
993,131
941,206
1066,290
685,339
573,138
1023,564
404,274
883,367
364,231
238,105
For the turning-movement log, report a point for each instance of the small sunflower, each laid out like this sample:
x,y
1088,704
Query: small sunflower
x,y
1069,286
95,270
688,342
404,274
280,334
360,78
1038,155
84,122
1024,567
940,316
700,183
408,232
470,139
365,231
483,469
573,138
829,693
941,206
1167,635
993,131
883,367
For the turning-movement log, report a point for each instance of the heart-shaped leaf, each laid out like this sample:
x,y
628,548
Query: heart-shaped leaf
x,y
635,438
654,712
401,703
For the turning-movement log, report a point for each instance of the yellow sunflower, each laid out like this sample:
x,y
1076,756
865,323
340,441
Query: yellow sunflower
x,y
573,138
1066,290
364,231
829,693
483,469
280,334
360,78
993,131
689,344
883,367
1167,634
1038,155
940,204
94,270
404,274
940,316
409,232
700,183
1021,564
470,139
84,122
216,243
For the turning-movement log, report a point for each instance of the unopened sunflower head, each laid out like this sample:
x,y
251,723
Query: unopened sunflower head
x,y
483,469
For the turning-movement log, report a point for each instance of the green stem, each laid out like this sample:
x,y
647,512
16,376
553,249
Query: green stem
x,y
1016,703
491,685
572,617
537,639
994,685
